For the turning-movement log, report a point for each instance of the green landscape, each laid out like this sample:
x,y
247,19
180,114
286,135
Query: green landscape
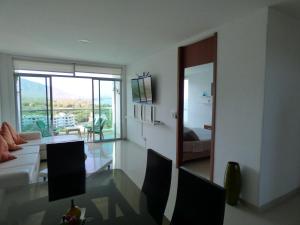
x,y
34,107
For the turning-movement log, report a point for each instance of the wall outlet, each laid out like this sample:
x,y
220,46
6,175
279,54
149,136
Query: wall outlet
x,y
174,114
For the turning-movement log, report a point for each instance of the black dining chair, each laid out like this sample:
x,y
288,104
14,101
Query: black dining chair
x,y
66,169
157,184
198,201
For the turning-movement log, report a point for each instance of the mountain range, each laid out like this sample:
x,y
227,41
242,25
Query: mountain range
x,y
35,90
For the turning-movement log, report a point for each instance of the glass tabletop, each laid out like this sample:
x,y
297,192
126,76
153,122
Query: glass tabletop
x,y
111,198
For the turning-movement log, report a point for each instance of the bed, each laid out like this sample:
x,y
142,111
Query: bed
x,y
196,143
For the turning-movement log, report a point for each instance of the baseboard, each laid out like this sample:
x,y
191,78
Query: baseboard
x,y
272,203
280,200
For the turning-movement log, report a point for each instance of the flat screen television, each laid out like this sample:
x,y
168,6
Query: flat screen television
x,y
135,90
148,89
142,90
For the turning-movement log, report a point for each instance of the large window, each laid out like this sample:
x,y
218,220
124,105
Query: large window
x,y
62,99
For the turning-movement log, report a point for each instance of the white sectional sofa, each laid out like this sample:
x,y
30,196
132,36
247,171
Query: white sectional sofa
x,y
25,168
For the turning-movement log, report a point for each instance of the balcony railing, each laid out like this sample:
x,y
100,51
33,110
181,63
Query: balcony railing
x,y
65,117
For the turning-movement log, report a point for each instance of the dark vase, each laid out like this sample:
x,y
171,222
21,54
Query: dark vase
x,y
232,183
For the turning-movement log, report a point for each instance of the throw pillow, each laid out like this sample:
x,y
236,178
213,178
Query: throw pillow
x,y
17,138
4,153
9,139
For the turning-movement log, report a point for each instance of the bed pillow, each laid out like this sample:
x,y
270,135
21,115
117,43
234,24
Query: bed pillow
x,y
4,153
189,135
9,139
17,138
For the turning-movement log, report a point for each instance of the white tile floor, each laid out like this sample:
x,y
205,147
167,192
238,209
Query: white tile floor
x,y
99,155
132,159
200,167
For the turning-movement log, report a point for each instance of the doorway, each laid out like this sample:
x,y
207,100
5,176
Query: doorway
x,y
197,106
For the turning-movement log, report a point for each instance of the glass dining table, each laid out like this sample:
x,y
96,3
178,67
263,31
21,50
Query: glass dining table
x,y
111,197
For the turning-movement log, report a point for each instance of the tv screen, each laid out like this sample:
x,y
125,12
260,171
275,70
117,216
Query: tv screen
x,y
135,90
142,90
148,89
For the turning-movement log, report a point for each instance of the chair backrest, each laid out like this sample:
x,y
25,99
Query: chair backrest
x,y
99,123
157,183
43,128
41,124
66,169
198,201
102,123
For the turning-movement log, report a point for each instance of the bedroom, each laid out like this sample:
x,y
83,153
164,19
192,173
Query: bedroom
x,y
198,117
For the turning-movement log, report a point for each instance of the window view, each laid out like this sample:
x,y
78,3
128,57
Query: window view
x,y
34,103
58,105
72,104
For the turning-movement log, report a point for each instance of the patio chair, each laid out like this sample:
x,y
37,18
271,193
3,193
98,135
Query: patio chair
x,y
46,132
98,128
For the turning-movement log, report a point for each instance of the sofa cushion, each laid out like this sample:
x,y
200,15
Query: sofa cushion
x,y
9,139
35,149
17,138
23,160
32,135
4,153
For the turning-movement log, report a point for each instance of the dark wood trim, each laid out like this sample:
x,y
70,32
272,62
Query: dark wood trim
x,y
202,52
199,53
180,91
214,92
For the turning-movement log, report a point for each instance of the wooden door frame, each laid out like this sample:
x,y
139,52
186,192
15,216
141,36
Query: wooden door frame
x,y
201,52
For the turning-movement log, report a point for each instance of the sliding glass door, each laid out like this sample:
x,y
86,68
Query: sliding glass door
x,y
89,106
106,105
34,102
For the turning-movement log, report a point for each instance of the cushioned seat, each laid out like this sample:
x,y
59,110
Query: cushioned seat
x,y
22,160
27,150
25,168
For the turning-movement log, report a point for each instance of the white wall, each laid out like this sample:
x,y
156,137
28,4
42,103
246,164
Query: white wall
x,y
240,84
7,92
240,89
280,163
163,67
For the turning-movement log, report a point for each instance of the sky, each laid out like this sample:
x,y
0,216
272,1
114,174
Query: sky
x,y
77,86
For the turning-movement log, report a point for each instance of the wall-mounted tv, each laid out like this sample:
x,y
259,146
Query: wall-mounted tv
x,y
148,89
142,90
135,90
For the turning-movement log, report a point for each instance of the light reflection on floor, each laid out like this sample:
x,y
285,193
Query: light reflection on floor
x,y
131,158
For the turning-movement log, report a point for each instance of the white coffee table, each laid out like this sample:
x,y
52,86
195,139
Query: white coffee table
x,y
93,163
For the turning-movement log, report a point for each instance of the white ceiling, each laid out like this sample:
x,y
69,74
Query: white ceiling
x,y
119,31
